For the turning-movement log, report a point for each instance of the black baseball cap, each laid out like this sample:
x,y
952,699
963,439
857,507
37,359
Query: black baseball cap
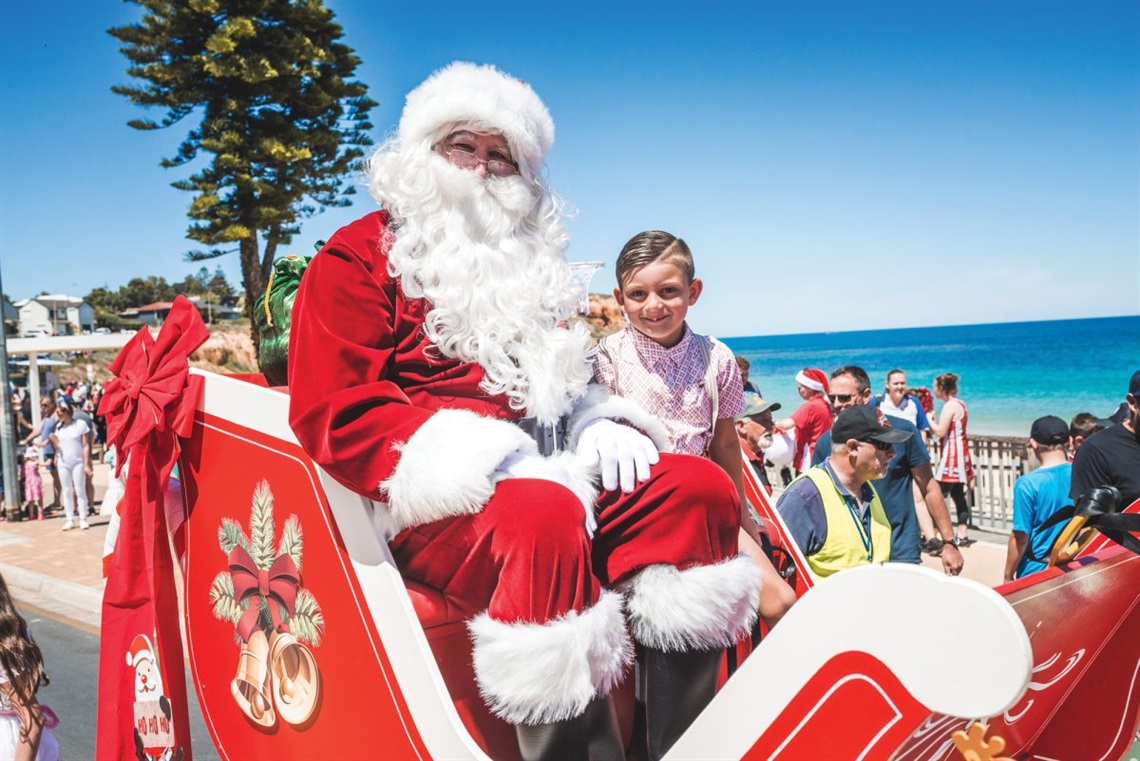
x,y
1134,384
865,423
1049,430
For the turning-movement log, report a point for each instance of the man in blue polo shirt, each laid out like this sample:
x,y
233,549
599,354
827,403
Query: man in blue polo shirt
x,y
850,386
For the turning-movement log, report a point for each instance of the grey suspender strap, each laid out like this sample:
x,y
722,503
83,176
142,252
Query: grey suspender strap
x,y
710,377
605,352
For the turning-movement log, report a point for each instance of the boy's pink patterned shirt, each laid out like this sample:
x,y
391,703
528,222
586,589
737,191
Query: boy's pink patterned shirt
x,y
670,383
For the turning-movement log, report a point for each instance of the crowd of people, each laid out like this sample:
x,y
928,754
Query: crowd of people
x,y
909,496
62,448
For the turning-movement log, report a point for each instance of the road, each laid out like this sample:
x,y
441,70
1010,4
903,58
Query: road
x,y
71,654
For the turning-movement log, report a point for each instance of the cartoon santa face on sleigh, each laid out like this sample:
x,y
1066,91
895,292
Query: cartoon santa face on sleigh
x,y
148,680
154,732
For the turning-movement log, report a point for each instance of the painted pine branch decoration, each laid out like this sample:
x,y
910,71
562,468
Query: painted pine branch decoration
x,y
225,603
261,526
292,542
230,535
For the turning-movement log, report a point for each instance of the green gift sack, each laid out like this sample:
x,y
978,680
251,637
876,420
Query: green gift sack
x,y
274,314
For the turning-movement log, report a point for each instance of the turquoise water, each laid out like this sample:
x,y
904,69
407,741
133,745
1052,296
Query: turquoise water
x,y
1011,373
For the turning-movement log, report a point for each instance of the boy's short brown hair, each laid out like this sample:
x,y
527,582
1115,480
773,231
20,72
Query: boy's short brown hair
x,y
1085,424
652,246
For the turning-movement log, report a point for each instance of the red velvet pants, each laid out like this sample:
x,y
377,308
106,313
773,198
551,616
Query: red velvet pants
x,y
526,556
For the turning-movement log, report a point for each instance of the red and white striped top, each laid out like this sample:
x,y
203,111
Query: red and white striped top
x,y
954,464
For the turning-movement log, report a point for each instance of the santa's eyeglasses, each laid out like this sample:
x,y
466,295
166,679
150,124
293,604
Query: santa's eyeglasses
x,y
468,160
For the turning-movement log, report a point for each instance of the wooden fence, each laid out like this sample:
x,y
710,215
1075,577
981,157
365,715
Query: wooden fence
x,y
998,462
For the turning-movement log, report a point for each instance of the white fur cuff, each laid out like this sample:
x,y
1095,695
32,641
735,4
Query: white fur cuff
x,y
599,404
700,608
445,467
542,673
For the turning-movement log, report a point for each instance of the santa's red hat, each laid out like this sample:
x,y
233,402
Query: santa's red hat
x,y
814,379
481,98
140,649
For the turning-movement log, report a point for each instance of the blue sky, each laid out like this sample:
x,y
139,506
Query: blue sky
x,y
833,165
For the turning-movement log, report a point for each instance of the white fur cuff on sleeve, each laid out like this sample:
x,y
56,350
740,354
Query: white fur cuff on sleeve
x,y
542,673
445,467
599,404
700,608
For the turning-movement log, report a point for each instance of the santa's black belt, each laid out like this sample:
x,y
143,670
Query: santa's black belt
x,y
550,437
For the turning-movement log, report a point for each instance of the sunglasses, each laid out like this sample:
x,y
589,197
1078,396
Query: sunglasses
x,y
882,446
841,398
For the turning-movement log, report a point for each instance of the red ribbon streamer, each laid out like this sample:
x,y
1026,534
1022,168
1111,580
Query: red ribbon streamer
x,y
149,405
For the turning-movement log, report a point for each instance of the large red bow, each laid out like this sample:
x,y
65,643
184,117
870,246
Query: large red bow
x,y
149,406
153,391
277,586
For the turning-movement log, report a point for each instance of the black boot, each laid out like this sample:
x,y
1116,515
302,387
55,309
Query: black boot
x,y
677,687
593,736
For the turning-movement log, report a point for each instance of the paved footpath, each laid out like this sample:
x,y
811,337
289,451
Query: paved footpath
x,y
58,571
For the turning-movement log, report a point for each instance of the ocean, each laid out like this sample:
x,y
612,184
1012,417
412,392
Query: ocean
x,y
1010,373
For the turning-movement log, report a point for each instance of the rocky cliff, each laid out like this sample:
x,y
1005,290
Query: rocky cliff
x,y
605,315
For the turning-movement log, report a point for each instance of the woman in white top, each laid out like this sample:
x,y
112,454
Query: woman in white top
x,y
73,461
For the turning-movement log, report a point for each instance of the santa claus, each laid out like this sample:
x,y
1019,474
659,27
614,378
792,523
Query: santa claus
x,y
432,370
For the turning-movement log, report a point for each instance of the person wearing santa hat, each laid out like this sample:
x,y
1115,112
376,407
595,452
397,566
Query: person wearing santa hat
x,y
432,370
811,419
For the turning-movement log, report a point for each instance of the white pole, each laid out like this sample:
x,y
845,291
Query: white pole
x,y
34,389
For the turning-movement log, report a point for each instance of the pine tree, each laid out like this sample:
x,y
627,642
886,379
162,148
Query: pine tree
x,y
279,112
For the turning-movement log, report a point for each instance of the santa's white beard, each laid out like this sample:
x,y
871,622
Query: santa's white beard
x,y
764,441
487,255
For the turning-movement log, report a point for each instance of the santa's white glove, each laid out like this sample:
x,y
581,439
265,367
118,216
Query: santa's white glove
x,y
624,454
519,465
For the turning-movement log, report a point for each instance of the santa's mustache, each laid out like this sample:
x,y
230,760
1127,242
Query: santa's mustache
x,y
491,205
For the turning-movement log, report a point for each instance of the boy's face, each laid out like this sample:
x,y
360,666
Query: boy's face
x,y
656,298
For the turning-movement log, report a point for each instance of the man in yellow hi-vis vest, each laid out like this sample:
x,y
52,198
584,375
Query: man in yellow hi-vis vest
x,y
832,510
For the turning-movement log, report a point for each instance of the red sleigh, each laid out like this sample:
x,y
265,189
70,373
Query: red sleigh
x,y
368,665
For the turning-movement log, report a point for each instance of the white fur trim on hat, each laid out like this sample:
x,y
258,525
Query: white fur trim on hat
x,y
700,608
541,673
140,649
483,98
445,467
814,383
599,404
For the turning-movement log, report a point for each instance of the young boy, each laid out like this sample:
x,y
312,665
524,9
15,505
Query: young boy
x,y
1036,496
690,382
